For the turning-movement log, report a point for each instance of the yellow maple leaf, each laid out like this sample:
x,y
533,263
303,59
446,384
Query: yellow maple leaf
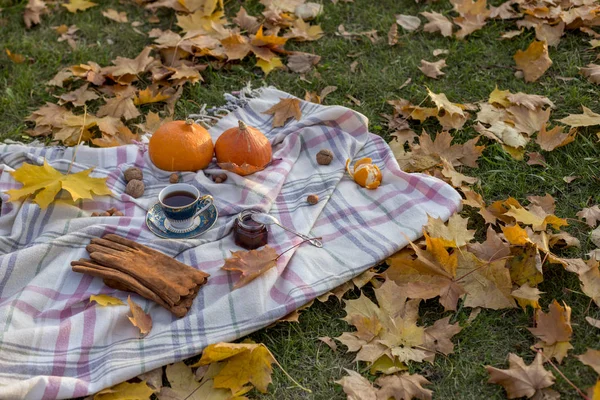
x,y
14,57
106,300
246,363
125,390
147,96
534,61
78,5
500,97
268,66
45,182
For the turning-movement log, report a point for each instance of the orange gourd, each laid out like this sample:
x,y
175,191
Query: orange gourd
x,y
181,146
243,150
366,174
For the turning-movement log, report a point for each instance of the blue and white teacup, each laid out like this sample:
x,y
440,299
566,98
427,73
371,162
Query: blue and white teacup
x,y
182,217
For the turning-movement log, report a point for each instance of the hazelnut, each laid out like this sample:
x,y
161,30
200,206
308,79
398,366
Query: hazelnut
x,y
95,214
133,173
111,211
105,214
118,214
312,199
135,188
324,157
174,178
218,179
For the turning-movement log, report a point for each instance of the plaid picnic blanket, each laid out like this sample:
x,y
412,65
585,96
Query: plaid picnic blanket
x,y
54,343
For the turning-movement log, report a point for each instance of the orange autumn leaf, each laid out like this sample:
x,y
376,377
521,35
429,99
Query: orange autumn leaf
x,y
139,318
147,96
14,57
534,61
554,330
251,264
521,380
284,110
555,137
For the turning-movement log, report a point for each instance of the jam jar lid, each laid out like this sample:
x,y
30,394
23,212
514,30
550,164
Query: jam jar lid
x,y
245,221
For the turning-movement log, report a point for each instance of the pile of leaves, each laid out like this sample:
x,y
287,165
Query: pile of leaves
x,y
122,92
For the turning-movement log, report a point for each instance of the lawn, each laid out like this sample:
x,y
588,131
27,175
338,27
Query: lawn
x,y
476,66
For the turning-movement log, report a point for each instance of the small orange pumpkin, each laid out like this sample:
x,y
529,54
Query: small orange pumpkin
x,y
243,150
181,146
366,174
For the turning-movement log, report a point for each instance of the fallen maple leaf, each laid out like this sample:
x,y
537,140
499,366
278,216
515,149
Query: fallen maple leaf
x,y
403,386
245,21
494,248
139,318
527,296
590,281
44,182
432,69
357,387
251,264
591,215
78,97
554,329
592,72
591,358
521,380
286,108
554,138
129,66
454,234
14,57
534,61
125,390
119,107
408,22
588,118
147,96
268,66
245,363
78,5
302,62
106,300
393,35
33,12
437,22
115,15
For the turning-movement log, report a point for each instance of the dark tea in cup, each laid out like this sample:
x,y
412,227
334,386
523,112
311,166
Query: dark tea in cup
x,y
179,199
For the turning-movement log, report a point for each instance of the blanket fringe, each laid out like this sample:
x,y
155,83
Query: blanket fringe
x,y
234,100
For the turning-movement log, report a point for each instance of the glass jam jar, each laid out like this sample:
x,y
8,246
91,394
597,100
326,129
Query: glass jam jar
x,y
248,233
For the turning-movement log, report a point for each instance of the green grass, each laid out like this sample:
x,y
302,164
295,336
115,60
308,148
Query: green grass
x,y
475,66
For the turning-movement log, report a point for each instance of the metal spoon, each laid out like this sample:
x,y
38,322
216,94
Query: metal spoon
x,y
269,220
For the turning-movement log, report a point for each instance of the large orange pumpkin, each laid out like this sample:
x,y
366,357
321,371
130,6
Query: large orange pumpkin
x,y
181,146
243,150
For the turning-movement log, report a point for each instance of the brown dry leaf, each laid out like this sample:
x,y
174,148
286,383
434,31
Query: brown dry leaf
x,y
588,118
91,72
590,282
78,5
78,97
454,234
534,61
554,329
432,69
592,72
521,380
251,264
67,34
455,178
554,138
591,358
393,35
302,62
119,107
303,31
570,178
536,159
438,52
329,342
357,387
437,22
128,66
527,121
591,215
60,77
33,12
139,318
469,23
244,363
527,296
593,322
247,22
115,15
408,22
403,386
530,101
286,108
494,248
511,34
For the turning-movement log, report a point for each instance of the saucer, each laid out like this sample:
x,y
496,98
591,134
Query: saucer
x,y
155,220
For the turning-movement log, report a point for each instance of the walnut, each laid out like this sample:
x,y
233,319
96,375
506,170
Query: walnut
x,y
220,178
312,199
324,157
135,188
133,173
174,178
95,214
